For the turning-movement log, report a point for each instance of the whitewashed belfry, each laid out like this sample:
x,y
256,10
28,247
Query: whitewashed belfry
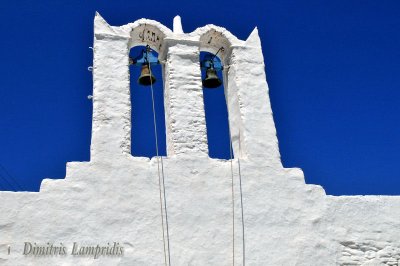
x,y
179,53
187,208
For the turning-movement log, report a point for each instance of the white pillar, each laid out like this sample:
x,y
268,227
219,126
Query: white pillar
x,y
249,105
111,101
184,105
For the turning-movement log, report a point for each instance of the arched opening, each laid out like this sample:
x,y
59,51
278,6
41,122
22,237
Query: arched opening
x,y
216,114
143,141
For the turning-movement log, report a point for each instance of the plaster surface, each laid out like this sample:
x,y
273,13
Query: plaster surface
x,y
116,197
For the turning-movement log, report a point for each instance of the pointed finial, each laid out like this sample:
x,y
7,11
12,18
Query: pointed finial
x,y
177,25
254,38
100,25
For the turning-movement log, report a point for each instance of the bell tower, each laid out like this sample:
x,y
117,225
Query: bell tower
x,y
244,80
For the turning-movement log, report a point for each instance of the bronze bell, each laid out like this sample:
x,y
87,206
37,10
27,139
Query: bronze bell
x,y
146,78
211,80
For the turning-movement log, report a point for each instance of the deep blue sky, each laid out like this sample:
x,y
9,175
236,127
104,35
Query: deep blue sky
x,y
333,68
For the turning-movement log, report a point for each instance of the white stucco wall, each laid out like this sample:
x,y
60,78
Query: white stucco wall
x,y
115,197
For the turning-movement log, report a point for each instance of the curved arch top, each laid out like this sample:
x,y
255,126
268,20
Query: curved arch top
x,y
212,38
150,32
147,32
